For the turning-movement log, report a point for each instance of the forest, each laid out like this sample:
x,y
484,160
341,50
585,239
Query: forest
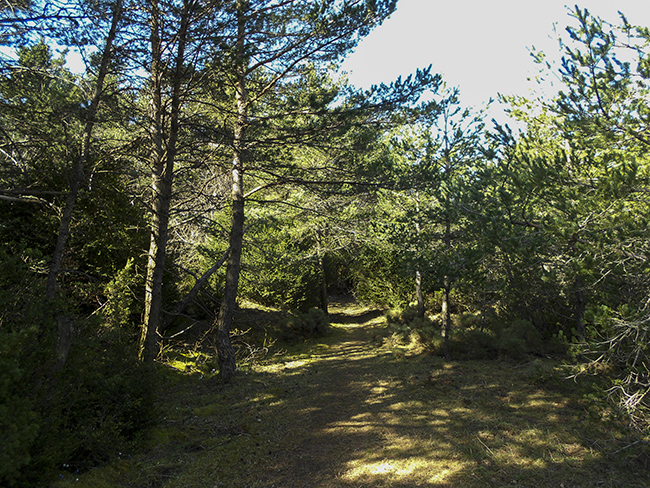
x,y
212,160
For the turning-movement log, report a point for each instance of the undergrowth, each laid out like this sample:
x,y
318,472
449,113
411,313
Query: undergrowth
x,y
470,337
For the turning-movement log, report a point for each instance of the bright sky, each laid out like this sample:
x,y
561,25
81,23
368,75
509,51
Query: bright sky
x,y
481,46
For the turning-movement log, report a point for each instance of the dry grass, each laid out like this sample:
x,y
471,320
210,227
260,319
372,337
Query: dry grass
x,y
345,412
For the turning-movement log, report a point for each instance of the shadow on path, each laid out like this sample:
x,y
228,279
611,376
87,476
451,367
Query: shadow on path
x,y
351,414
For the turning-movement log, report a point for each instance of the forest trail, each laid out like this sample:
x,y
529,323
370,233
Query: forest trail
x,y
348,412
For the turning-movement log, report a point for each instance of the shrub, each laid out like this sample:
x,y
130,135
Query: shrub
x,y
314,322
103,399
407,328
519,339
402,316
473,344
21,355
78,417
18,419
119,309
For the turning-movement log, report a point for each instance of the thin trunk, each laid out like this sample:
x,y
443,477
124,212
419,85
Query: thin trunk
x,y
446,287
446,316
78,175
162,177
418,293
64,341
225,351
445,312
180,307
65,323
153,282
324,300
580,309
418,274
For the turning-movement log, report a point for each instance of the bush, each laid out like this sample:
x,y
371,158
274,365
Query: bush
x,y
18,418
407,328
103,399
472,344
303,325
119,309
519,339
401,316
21,355
78,417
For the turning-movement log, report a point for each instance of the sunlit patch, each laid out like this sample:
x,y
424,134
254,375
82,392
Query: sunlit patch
x,y
414,470
440,475
395,468
294,364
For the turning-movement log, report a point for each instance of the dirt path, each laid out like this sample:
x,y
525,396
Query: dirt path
x,y
340,410
342,414
347,413
353,414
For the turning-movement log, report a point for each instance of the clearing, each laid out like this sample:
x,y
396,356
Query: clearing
x,y
345,411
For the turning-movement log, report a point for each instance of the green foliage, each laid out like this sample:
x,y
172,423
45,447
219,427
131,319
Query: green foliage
x,y
19,420
301,326
379,277
406,327
102,401
21,354
120,294
283,286
520,338
279,267
471,344
88,412
517,340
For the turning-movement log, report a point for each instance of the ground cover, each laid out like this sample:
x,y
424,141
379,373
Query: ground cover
x,y
348,410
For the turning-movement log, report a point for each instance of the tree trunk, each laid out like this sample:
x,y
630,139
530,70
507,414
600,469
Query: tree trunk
x,y
162,177
418,293
159,217
161,189
446,315
580,309
418,274
65,324
225,351
78,174
64,342
324,300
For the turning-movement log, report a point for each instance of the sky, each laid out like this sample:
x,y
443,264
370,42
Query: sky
x,y
481,46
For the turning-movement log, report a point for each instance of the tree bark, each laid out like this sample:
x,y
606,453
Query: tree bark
x,y
418,293
78,175
324,299
65,323
580,309
225,350
162,176
153,282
